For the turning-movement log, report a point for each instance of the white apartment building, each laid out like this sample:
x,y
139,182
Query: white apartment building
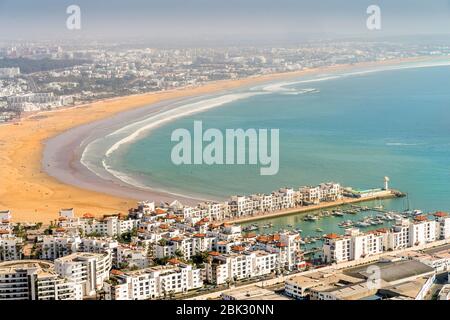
x,y
146,207
215,211
287,198
285,245
398,237
151,283
187,245
324,192
228,232
56,247
406,233
99,245
238,265
35,280
240,206
311,194
87,269
353,245
10,248
330,191
132,257
109,226
443,225
422,231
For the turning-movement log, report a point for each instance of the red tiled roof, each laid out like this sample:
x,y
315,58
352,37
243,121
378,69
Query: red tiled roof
x,y
116,272
263,239
421,218
173,261
88,215
441,214
281,244
332,236
214,253
199,235
237,248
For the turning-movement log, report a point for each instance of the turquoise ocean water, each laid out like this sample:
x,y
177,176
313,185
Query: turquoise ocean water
x,y
355,131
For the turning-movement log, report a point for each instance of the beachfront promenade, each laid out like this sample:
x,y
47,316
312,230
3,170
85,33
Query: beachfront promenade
x,y
323,205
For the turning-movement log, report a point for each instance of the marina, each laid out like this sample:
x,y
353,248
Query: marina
x,y
313,226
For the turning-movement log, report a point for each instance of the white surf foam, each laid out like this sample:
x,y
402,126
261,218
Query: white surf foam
x,y
135,130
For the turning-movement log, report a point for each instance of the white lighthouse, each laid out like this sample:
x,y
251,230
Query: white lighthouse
x,y
386,183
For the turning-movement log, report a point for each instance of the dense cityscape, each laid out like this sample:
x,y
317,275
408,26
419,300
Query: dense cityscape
x,y
42,76
170,250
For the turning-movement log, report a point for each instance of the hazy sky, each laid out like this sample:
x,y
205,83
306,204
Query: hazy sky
x,y
207,19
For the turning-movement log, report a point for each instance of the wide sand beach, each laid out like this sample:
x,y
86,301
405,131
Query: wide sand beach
x,y
34,196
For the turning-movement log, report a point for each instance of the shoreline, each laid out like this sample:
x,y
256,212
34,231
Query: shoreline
x,y
305,209
33,195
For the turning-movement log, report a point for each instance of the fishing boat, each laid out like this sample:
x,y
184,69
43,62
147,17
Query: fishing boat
x,y
251,228
362,224
319,230
310,217
338,214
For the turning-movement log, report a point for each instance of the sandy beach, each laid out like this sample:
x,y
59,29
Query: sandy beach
x,y
33,195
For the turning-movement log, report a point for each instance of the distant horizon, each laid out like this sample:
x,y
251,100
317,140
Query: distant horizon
x,y
230,41
200,21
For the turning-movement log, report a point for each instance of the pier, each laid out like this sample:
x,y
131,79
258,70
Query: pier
x,y
382,195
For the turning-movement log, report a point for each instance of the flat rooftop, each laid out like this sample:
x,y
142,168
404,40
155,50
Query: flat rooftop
x,y
408,289
254,293
349,292
394,271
